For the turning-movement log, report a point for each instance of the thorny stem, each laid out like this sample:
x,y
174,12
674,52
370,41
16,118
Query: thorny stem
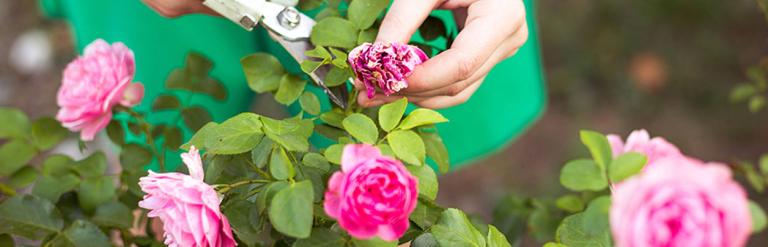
x,y
227,187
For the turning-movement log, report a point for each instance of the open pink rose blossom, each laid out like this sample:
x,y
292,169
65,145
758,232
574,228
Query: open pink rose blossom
x,y
384,66
680,202
373,195
93,84
640,141
187,206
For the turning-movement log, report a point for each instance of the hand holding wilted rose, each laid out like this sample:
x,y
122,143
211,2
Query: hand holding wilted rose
x,y
491,31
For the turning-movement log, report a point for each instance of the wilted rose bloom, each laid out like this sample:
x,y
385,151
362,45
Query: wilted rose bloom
x,y
680,202
93,84
384,66
640,141
372,195
187,206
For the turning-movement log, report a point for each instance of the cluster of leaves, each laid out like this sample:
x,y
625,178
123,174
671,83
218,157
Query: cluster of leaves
x,y
70,202
755,89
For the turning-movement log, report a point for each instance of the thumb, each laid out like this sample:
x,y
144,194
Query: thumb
x,y
403,18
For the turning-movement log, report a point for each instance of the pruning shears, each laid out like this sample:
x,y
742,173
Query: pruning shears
x,y
286,25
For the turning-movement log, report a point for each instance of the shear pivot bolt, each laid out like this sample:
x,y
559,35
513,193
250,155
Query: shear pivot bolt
x,y
289,18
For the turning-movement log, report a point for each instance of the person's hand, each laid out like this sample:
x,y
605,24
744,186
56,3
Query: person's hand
x,y
492,30
176,8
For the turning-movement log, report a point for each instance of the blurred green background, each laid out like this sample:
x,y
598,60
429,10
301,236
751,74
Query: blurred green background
x,y
613,66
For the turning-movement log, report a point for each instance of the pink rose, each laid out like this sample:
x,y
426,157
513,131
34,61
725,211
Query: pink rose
x,y
680,202
372,195
640,141
187,206
384,65
93,84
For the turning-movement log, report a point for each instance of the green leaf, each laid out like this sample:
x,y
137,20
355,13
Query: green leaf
x,y
236,135
280,165
367,36
364,12
572,233
81,234
30,217
244,217
321,237
310,103
436,149
47,133
421,117
268,193
290,211
582,175
113,214
432,28
427,181
756,103
335,32
52,187
759,220
57,165
95,192
425,214
337,76
595,217
134,157
23,178
165,102
625,166
199,138
318,52
172,138
454,229
407,146
333,153
599,147
310,66
552,244
339,58
262,71
742,92
290,89
292,133
316,160
92,167
309,4
15,123
495,238
361,127
14,155
390,114
195,117
425,240
260,154
755,179
570,203
542,220
333,118
374,242
194,77
116,133
386,150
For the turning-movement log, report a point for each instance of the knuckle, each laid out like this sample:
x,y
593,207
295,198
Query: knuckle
x,y
467,67
454,90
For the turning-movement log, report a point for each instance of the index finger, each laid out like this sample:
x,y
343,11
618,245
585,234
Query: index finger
x,y
403,18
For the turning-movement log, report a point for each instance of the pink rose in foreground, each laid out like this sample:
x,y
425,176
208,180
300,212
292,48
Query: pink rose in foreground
x,y
680,202
187,206
93,84
384,65
372,195
640,141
